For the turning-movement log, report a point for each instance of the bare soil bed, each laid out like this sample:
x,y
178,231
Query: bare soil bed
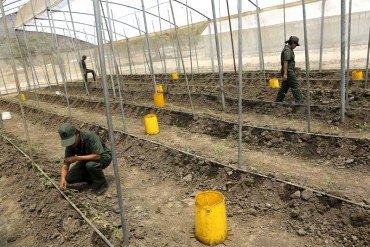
x,y
194,152
159,184
32,212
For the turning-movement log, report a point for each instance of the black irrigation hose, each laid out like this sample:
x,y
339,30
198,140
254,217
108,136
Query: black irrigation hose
x,y
220,164
61,192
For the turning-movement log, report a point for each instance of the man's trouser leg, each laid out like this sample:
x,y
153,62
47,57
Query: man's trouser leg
x,y
78,173
294,84
95,171
94,75
283,90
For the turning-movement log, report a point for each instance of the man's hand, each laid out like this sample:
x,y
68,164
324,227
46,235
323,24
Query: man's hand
x,y
285,77
63,185
70,160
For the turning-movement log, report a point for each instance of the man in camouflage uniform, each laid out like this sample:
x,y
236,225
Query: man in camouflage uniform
x,y
92,156
288,72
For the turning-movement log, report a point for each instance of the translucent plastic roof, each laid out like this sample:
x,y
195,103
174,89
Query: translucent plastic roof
x,y
127,17
12,6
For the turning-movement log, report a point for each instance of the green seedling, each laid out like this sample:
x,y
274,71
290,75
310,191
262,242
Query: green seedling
x,y
217,150
329,181
70,191
98,216
47,183
257,167
288,175
86,208
363,127
187,148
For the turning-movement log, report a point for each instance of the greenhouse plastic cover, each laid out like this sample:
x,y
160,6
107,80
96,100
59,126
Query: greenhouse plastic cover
x,y
128,18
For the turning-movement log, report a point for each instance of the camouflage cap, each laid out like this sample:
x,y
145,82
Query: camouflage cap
x,y
295,39
67,134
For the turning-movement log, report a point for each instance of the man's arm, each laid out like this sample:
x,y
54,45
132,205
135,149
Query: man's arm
x,y
285,70
63,175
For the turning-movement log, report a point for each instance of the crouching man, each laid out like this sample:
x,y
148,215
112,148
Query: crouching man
x,y
91,157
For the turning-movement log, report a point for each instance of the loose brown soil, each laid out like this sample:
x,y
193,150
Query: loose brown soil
x,y
159,181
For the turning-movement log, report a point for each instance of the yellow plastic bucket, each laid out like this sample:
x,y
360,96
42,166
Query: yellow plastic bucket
x,y
151,124
159,100
357,75
210,217
23,97
274,83
175,76
159,88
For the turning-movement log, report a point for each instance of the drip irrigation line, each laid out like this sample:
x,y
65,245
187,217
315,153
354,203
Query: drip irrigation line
x,y
61,192
256,174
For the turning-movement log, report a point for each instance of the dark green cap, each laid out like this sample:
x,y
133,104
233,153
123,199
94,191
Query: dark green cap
x,y
67,134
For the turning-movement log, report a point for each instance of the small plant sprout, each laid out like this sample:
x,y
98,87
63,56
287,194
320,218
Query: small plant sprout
x,y
217,150
288,174
329,181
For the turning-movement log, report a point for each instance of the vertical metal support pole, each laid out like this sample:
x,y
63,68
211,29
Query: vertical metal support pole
x,y
69,67
182,58
284,21
22,58
110,35
59,57
348,50
145,59
128,55
342,59
54,71
220,73
159,52
109,119
307,59
45,67
174,46
92,58
30,60
33,72
110,67
322,32
195,44
117,50
23,63
231,34
2,76
163,52
131,59
240,84
148,47
111,58
211,46
262,61
75,53
367,61
79,48
189,42
16,81
220,37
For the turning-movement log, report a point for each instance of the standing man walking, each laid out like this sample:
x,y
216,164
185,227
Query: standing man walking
x,y
288,71
92,156
85,70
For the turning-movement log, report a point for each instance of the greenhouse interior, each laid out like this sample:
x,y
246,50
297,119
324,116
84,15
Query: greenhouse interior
x,y
185,123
